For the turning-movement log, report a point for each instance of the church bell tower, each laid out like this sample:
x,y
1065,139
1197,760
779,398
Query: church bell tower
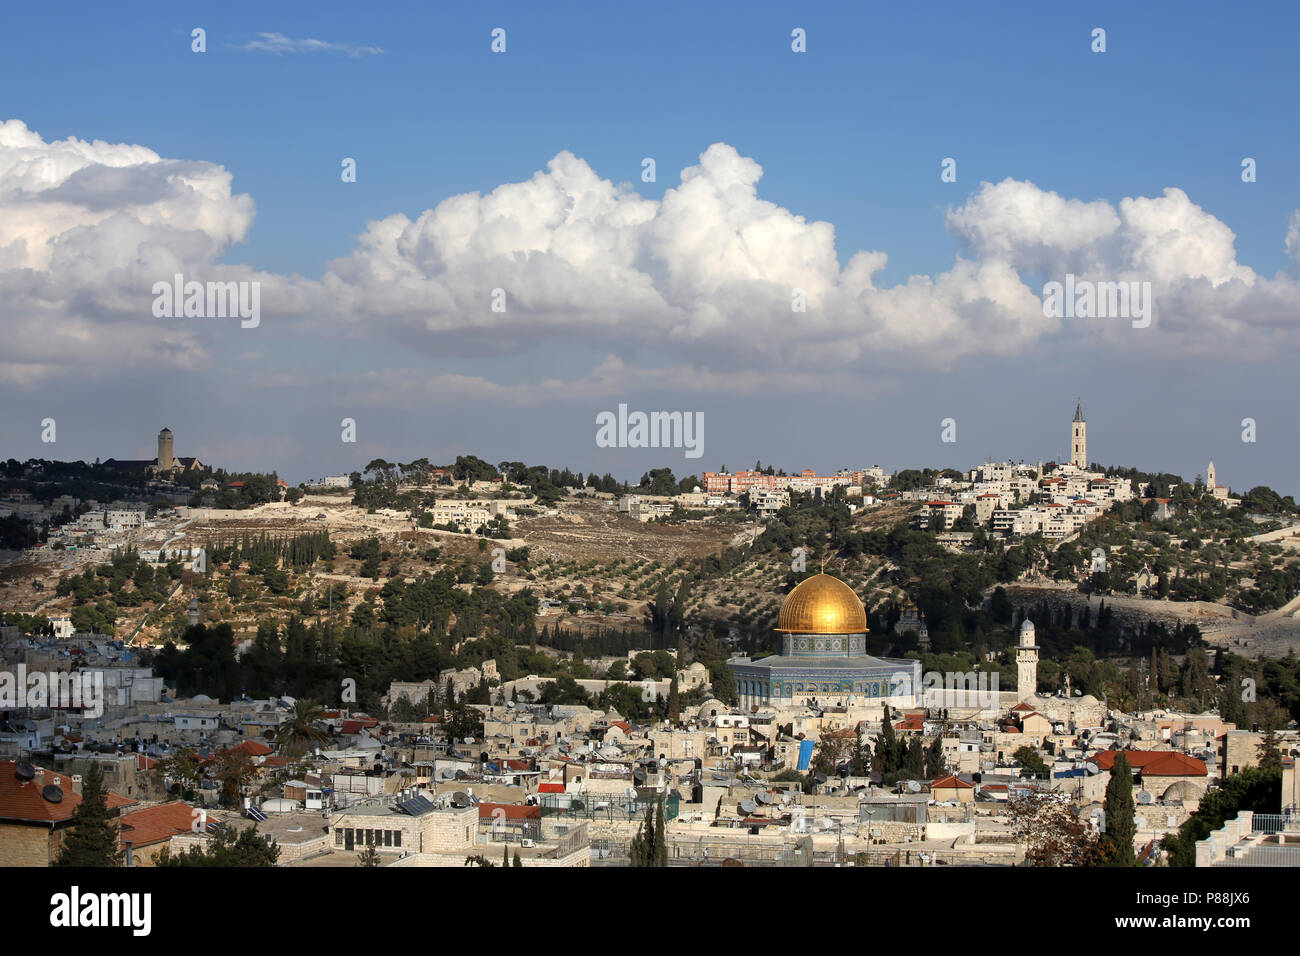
x,y
1079,439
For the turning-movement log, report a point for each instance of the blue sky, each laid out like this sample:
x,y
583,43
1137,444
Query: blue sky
x,y
851,133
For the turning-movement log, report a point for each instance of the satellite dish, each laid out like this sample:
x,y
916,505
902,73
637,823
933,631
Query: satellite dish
x,y
24,770
914,786
748,806
53,794
819,777
763,797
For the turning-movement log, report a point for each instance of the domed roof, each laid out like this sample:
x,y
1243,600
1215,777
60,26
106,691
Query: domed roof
x,y
822,604
1026,625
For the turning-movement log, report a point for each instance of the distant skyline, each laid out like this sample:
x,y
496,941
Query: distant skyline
x,y
777,175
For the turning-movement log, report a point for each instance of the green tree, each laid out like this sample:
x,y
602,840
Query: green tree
x,y
649,847
936,765
227,848
299,733
95,839
1029,759
1120,826
1270,755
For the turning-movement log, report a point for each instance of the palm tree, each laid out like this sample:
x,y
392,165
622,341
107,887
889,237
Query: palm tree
x,y
299,733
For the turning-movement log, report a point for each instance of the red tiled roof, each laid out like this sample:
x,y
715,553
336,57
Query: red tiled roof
x,y
158,823
951,783
250,747
550,788
22,799
1154,763
508,811
622,725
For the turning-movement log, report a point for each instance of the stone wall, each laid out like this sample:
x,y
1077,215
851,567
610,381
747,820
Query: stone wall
x,y
27,845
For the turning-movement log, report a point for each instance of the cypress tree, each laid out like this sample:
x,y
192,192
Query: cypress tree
x,y
935,763
95,839
1120,826
661,835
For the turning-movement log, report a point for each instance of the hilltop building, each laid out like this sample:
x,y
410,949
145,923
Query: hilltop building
x,y
166,465
1079,439
1212,485
823,628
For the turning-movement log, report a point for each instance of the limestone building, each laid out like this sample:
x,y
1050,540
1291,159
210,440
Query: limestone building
x,y
1027,661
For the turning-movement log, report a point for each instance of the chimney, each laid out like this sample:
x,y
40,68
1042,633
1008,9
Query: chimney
x,y
203,820
76,783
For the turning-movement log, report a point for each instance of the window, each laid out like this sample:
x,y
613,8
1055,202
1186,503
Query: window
x,y
338,836
397,838
388,838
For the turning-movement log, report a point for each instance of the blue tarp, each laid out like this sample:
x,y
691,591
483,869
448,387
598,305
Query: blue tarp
x,y
805,753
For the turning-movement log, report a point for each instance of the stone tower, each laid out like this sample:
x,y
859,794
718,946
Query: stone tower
x,y
1079,439
165,460
1210,483
1027,661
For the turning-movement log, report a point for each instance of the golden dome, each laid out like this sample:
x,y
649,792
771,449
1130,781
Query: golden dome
x,y
822,604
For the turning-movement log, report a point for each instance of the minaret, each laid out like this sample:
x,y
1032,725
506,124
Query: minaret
x,y
165,460
1079,439
1026,661
1210,483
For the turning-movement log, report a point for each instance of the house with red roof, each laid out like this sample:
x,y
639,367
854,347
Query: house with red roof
x,y
36,808
952,788
145,832
1168,775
